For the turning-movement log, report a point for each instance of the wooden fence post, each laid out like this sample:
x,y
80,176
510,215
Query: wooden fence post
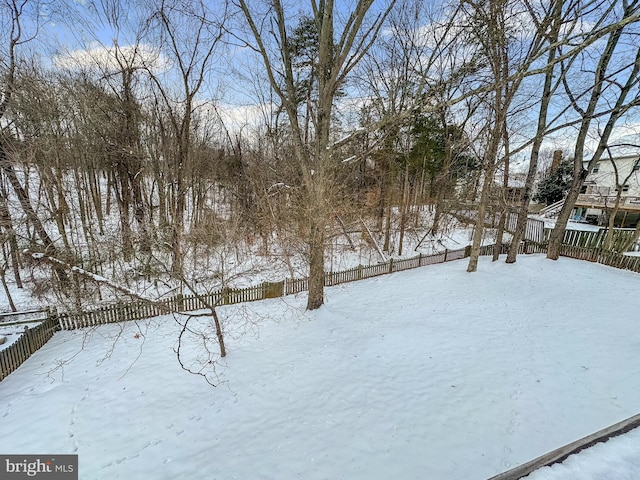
x,y
53,318
391,265
272,289
420,259
446,252
467,251
225,296
180,302
29,337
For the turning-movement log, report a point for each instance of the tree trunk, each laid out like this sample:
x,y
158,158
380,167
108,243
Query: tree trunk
x,y
404,206
316,264
557,234
6,222
177,229
23,198
96,196
437,215
83,204
219,334
523,211
49,180
124,205
479,228
6,290
497,248
490,165
608,239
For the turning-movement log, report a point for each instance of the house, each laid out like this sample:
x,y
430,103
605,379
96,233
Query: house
x,y
511,194
597,198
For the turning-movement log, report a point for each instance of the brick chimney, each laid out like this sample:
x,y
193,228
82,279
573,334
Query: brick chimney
x,y
555,163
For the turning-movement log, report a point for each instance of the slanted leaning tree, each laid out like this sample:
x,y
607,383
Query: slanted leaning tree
x,y
13,34
611,94
573,54
343,38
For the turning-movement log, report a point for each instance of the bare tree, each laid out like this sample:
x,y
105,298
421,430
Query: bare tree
x,y
555,21
608,87
191,33
338,52
9,235
508,54
13,14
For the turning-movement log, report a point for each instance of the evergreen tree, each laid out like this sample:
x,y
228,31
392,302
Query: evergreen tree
x,y
556,184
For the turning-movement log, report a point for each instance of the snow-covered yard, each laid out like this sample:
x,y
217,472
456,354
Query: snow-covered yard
x,y
432,373
615,459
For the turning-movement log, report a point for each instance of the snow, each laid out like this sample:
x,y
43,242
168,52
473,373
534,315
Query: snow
x,y
241,262
10,337
618,459
551,222
22,299
429,373
13,325
13,332
585,227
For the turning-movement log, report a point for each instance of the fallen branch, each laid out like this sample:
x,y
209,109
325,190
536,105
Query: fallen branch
x,y
41,257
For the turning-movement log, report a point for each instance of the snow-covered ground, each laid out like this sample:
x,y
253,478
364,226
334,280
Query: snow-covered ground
x,y
616,459
12,325
246,263
432,373
550,222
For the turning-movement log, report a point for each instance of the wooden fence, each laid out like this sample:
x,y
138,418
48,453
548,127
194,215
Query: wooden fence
x,y
138,310
33,339
594,238
604,257
229,296
534,230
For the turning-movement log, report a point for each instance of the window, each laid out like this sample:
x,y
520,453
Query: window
x,y
625,188
596,168
636,166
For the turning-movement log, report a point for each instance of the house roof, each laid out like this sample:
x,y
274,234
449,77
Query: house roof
x,y
606,158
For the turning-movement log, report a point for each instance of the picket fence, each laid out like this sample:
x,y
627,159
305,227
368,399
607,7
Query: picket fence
x,y
534,229
33,339
595,239
138,310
